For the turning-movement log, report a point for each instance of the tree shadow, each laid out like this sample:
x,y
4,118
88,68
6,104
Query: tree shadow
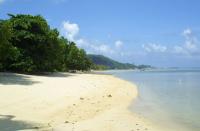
x,y
25,79
8,124
16,79
54,74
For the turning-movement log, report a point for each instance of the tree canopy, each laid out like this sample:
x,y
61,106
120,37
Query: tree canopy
x,y
28,44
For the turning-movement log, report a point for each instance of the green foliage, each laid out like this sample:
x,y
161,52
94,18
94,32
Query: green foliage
x,y
99,67
76,58
103,62
8,52
28,44
85,62
37,43
144,66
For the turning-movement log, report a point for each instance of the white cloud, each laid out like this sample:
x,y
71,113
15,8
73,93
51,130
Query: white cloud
x,y
187,32
146,48
101,48
70,30
82,42
104,48
190,47
191,44
94,47
154,47
118,44
179,49
191,41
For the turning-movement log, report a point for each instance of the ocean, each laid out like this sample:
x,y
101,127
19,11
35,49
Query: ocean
x,y
168,97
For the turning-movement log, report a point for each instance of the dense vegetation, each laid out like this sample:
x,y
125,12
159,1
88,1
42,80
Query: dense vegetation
x,y
101,62
28,44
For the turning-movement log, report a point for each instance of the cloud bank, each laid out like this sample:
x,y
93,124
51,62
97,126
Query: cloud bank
x,y
118,44
151,47
71,31
118,50
191,45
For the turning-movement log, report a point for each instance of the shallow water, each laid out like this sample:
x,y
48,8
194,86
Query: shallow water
x,y
170,98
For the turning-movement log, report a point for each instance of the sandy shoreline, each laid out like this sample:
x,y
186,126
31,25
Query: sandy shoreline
x,y
68,102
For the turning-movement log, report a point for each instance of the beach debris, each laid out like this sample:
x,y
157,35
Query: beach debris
x,y
66,121
110,95
36,127
49,124
81,98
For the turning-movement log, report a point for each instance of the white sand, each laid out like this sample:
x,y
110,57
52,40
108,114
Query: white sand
x,y
68,102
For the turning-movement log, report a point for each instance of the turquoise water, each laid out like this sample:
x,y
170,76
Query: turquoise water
x,y
170,98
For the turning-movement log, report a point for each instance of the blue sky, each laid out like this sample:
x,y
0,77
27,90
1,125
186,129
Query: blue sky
x,y
163,33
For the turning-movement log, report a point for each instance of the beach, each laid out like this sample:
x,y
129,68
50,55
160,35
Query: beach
x,y
68,102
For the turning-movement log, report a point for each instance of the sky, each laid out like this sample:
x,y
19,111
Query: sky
x,y
161,33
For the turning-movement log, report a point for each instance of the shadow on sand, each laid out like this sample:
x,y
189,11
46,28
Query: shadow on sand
x,y
54,74
7,124
16,79
22,79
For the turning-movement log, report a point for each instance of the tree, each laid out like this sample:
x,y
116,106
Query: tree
x,y
8,53
85,63
28,44
72,57
39,45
